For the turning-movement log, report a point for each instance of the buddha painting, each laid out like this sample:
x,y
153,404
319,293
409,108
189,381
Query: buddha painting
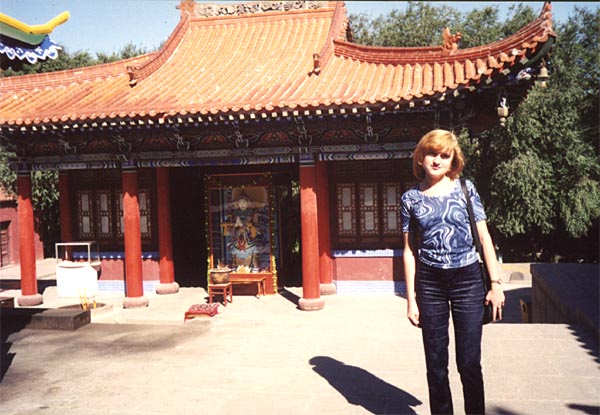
x,y
246,228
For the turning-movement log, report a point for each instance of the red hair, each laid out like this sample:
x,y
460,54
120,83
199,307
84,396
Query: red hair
x,y
438,141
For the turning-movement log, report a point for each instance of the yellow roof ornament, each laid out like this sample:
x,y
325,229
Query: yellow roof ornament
x,y
30,34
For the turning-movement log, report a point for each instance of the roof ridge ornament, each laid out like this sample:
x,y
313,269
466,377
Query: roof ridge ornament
x,y
238,9
450,40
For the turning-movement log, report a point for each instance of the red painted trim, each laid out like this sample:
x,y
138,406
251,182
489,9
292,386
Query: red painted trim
x,y
165,244
26,235
325,260
133,237
310,233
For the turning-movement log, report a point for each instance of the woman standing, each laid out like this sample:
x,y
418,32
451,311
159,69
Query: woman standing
x,y
442,270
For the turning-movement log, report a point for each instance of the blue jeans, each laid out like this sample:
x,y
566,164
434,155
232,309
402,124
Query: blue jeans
x,y
459,290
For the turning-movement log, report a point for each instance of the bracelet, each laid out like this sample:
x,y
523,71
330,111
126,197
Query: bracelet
x,y
498,281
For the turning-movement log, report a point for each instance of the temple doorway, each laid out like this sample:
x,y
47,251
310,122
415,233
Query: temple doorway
x,y
188,227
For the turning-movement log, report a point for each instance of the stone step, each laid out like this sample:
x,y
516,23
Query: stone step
x,y
60,319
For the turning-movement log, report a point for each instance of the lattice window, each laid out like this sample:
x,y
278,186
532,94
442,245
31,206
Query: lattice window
x,y
119,212
104,214
368,215
144,203
373,192
100,215
85,215
368,208
145,222
346,209
4,244
392,224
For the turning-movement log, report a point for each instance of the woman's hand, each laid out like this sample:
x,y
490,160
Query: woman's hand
x,y
413,313
497,298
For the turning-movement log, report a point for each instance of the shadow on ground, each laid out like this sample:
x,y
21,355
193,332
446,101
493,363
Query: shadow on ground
x,y
290,296
12,320
513,311
360,387
585,409
587,341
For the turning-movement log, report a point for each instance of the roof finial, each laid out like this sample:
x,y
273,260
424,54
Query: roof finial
x,y
450,40
187,6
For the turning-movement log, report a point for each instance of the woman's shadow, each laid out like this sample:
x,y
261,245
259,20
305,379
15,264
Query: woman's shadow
x,y
360,387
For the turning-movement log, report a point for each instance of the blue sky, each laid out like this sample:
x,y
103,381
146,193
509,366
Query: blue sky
x,y
107,25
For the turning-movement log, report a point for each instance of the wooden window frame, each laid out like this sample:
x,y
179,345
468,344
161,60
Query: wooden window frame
x,y
372,209
105,193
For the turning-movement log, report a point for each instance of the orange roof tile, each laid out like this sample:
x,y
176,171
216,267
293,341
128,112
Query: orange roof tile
x,y
258,62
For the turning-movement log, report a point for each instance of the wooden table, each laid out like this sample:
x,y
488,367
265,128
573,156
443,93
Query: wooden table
x,y
250,278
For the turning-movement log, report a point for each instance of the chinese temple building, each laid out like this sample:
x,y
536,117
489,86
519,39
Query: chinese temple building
x,y
191,157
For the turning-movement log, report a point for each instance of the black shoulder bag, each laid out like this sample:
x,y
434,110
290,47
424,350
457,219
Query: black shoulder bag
x,y
487,285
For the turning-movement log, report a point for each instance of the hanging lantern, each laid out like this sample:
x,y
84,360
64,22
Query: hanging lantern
x,y
502,110
543,75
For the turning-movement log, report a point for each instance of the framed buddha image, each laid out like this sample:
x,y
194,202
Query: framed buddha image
x,y
240,233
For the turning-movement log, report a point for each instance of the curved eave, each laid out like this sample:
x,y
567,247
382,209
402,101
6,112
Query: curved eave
x,y
30,34
518,44
153,118
427,71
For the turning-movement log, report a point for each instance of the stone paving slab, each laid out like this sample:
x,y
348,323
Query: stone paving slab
x,y
359,355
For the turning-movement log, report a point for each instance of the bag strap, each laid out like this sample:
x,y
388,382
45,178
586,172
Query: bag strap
x,y
475,232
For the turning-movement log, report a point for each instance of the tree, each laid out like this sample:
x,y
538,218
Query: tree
x,y
551,142
422,24
539,176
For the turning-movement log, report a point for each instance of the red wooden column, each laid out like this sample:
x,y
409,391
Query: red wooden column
x,y
134,287
29,289
325,261
165,245
310,239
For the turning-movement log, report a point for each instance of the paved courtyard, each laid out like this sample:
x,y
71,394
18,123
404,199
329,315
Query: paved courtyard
x,y
359,355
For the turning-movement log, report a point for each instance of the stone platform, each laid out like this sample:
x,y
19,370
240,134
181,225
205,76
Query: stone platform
x,y
46,319
566,293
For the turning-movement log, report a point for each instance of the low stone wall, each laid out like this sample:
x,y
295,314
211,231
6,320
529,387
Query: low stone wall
x,y
566,293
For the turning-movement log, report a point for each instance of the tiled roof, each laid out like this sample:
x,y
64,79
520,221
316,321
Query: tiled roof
x,y
259,63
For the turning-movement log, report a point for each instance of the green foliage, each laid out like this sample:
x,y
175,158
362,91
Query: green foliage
x,y
45,199
580,207
522,188
128,51
555,132
543,173
422,24
8,178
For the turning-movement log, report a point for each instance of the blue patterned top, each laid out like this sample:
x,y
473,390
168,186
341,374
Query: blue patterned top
x,y
446,240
